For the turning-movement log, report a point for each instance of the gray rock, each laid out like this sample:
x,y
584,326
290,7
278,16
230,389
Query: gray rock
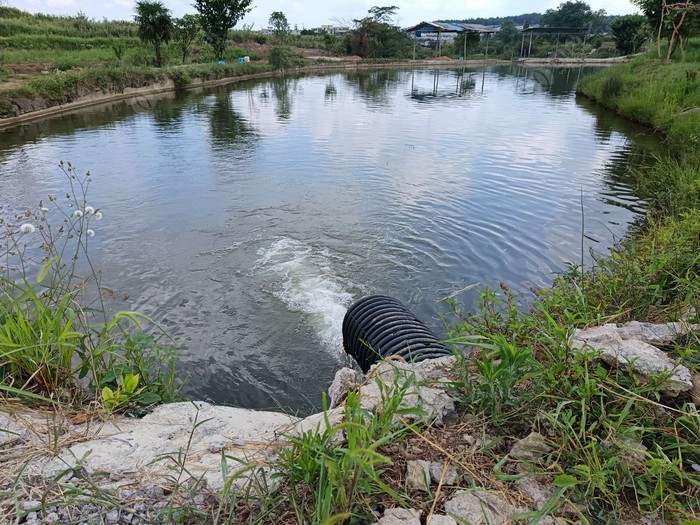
x,y
655,334
441,519
154,492
634,354
397,516
51,517
479,507
418,475
29,504
689,314
112,516
538,492
633,453
215,447
549,520
531,448
451,475
433,399
344,381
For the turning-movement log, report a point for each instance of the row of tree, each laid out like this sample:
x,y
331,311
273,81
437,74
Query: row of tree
x,y
378,36
215,18
676,20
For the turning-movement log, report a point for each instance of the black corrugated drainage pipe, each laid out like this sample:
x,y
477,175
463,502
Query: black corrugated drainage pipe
x,y
377,326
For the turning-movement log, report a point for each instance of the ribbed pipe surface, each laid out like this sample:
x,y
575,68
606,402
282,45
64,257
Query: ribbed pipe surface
x,y
378,326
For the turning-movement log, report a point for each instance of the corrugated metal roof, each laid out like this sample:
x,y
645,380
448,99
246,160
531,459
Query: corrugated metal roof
x,y
450,27
557,30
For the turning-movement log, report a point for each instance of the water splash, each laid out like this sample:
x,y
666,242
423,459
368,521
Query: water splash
x,y
303,278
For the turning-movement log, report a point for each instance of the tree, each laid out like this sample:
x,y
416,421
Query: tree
x,y
472,41
630,32
374,36
600,22
155,25
186,31
280,26
569,14
384,14
673,20
218,16
508,34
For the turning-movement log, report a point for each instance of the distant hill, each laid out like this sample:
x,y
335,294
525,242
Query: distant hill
x,y
531,18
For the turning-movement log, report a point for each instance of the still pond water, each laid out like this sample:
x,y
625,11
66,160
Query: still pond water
x,y
246,219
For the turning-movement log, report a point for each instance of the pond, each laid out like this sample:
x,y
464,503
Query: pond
x,y
246,219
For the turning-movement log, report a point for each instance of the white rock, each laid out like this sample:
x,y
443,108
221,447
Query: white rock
x,y
344,381
634,354
140,452
130,446
418,475
479,507
396,516
317,423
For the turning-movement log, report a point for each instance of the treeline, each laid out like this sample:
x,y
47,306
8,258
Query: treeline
x,y
531,19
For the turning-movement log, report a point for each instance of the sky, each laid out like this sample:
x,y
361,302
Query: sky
x,y
313,13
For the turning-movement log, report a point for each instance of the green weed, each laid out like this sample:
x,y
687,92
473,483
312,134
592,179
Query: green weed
x,y
56,339
328,482
616,436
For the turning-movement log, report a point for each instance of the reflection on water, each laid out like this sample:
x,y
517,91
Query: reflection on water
x,y
246,219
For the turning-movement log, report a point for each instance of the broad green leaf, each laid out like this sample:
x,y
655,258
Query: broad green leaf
x,y
565,480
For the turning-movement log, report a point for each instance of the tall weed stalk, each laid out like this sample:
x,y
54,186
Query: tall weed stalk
x,y
57,339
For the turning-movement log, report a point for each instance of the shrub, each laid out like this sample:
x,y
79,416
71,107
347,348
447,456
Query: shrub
x,y
284,58
181,78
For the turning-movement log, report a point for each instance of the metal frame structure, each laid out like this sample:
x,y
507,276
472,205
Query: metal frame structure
x,y
450,27
585,31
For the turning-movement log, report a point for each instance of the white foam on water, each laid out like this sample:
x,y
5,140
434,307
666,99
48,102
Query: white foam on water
x,y
303,278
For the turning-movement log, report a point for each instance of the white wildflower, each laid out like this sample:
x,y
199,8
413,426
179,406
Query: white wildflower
x,y
78,214
98,215
90,233
89,210
27,228
44,209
